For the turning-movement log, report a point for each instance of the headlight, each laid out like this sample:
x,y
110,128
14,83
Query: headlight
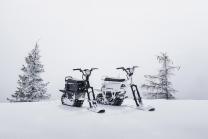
x,y
87,72
131,70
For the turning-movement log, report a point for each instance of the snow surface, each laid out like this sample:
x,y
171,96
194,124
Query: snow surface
x,y
173,119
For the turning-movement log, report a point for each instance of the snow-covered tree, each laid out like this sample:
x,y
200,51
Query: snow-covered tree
x,y
31,86
160,86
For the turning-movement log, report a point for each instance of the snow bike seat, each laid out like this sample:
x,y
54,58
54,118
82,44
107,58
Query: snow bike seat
x,y
114,79
72,80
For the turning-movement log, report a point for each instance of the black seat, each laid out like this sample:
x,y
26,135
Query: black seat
x,y
114,79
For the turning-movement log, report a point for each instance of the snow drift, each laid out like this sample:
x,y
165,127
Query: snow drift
x,y
181,119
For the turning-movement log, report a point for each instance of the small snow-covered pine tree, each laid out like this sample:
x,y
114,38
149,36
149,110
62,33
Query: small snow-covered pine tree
x,y
31,86
159,86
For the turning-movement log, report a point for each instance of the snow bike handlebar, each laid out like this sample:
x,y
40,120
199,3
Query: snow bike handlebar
x,y
85,72
129,71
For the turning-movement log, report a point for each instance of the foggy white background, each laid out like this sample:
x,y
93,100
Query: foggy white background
x,y
105,34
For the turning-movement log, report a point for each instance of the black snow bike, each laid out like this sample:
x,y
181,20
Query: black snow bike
x,y
113,90
75,91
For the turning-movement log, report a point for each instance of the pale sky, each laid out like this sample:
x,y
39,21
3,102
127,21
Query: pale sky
x,y
106,34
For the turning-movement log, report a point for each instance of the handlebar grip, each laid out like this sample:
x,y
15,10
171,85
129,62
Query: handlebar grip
x,y
94,68
120,68
135,66
77,69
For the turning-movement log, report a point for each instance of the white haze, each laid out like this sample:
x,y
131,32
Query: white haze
x,y
105,34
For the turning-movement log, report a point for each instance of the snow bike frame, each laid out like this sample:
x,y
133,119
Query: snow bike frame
x,y
134,88
89,89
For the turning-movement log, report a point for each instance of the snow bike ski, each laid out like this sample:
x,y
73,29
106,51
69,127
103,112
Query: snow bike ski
x,y
75,91
113,91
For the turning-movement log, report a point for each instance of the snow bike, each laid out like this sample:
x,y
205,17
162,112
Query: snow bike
x,y
113,90
75,91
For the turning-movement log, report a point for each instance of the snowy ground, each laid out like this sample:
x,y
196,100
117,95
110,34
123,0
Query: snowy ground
x,y
175,119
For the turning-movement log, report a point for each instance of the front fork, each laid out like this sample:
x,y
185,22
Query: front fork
x,y
136,94
91,97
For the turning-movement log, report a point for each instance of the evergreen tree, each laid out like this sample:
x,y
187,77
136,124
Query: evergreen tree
x,y
159,86
31,86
